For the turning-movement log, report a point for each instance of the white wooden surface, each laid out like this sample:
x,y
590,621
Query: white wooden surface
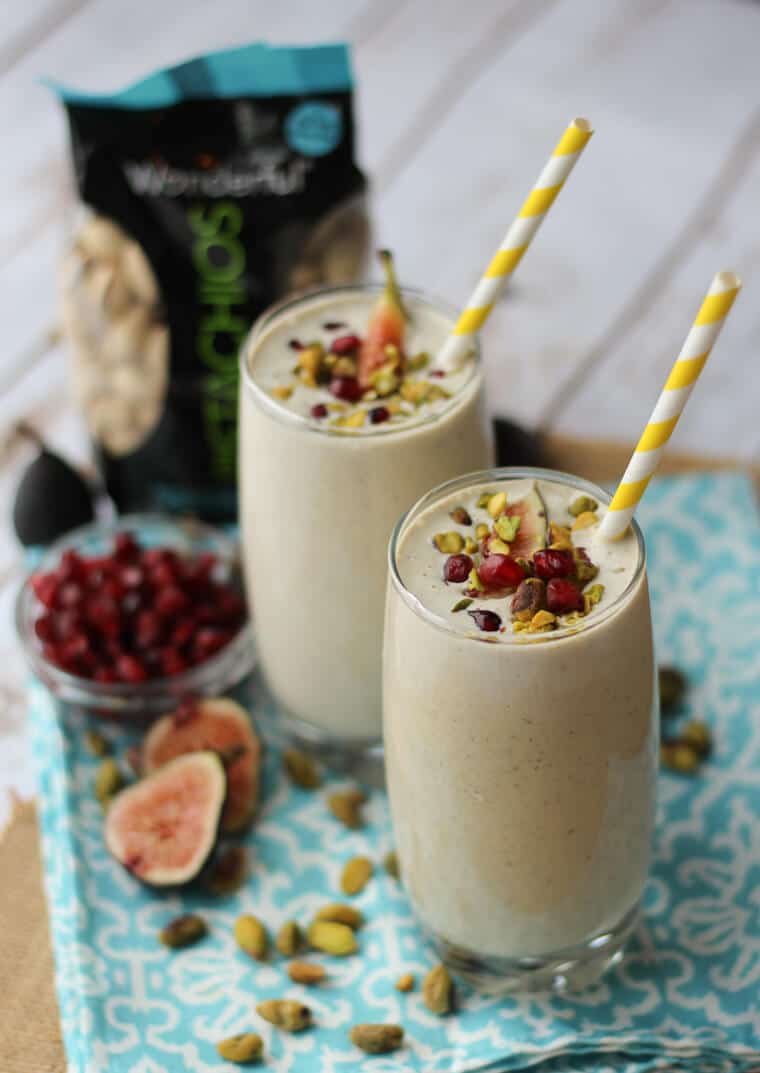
x,y
458,106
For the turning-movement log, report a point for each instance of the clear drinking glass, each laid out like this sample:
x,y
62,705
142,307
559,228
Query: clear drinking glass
x,y
317,506
521,775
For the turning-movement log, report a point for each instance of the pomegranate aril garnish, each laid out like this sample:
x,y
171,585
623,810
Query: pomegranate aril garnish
x,y
553,562
500,572
379,414
563,596
457,568
488,621
106,675
437,373
296,344
345,344
346,388
319,410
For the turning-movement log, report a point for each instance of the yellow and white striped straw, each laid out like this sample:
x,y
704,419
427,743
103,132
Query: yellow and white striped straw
x,y
516,242
683,376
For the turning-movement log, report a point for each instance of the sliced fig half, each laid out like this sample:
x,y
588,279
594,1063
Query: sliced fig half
x,y
220,725
531,510
386,324
163,829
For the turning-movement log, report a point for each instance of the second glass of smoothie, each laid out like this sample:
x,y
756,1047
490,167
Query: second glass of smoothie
x,y
520,726
337,438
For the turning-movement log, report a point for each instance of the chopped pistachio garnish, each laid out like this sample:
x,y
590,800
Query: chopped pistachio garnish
x,y
470,546
450,543
461,605
474,581
581,505
418,361
559,535
354,420
481,531
594,593
542,621
497,503
415,391
507,527
460,516
585,520
498,547
282,392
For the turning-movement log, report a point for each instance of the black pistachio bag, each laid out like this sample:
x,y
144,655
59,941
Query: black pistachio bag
x,y
211,190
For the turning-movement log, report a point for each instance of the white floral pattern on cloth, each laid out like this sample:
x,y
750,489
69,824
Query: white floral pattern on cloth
x,y
687,996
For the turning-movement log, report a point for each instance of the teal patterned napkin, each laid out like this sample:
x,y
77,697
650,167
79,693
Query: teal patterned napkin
x,y
687,995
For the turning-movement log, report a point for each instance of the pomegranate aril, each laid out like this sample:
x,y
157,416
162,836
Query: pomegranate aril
x,y
71,567
319,410
104,674
44,628
103,613
169,602
553,562
130,669
500,572
346,388
131,577
44,587
125,547
488,621
230,608
70,594
563,596
172,661
345,344
296,344
457,568
437,373
148,629
208,641
379,414
75,647
66,623
183,632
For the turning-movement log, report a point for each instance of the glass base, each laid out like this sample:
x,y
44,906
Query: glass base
x,y
572,969
360,758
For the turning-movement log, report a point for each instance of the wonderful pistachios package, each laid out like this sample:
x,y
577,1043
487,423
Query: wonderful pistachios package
x,y
209,190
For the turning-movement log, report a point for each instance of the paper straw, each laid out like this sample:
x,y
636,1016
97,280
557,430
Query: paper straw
x,y
683,376
516,242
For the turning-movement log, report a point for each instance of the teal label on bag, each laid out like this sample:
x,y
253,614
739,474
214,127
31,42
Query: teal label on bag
x,y
314,128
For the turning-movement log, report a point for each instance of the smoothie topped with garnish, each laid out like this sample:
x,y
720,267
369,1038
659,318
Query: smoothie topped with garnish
x,y
515,557
356,362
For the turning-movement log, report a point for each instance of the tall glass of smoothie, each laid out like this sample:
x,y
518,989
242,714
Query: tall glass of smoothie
x,y
343,425
520,724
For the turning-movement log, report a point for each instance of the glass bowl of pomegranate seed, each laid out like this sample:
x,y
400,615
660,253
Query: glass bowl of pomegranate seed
x,y
128,619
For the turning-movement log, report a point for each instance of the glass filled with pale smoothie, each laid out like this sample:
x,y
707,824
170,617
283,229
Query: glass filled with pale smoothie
x,y
343,425
520,726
